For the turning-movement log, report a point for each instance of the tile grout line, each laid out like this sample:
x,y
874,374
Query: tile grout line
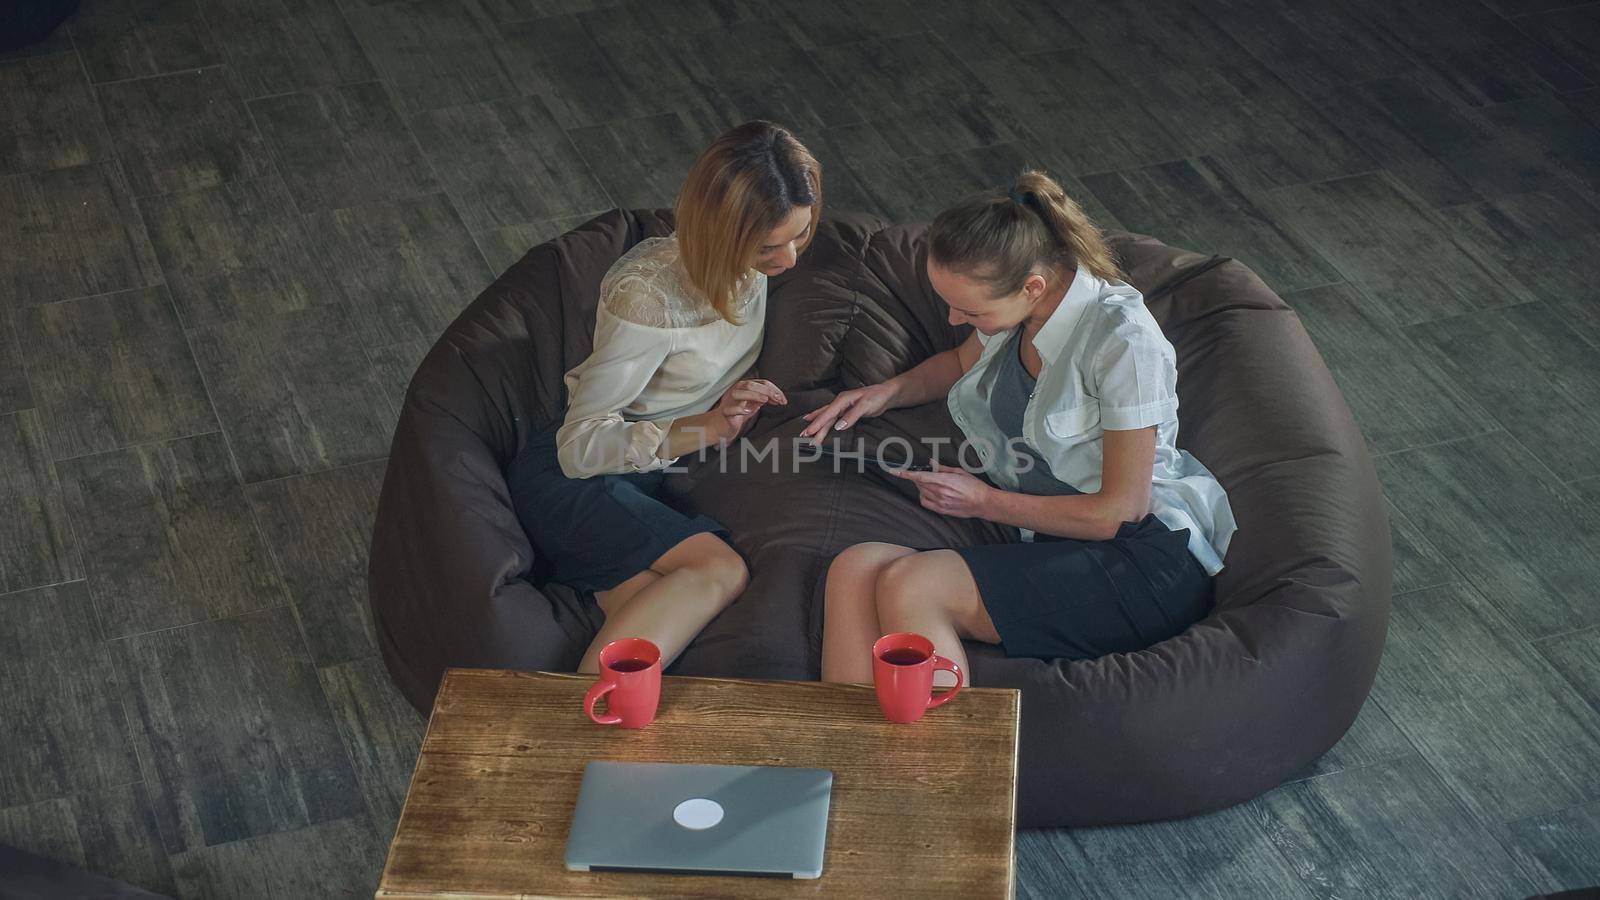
x,y
1489,827
1553,812
1424,538
180,192
1549,474
188,337
122,638
343,302
442,188
1460,580
314,472
1268,203
316,674
1554,54
349,755
1310,287
12,316
144,221
1498,429
54,469
1513,17
1383,169
82,556
285,593
1502,833
39,587
210,396
116,654
389,92
186,70
139,445
239,472
1416,744
112,653
1454,387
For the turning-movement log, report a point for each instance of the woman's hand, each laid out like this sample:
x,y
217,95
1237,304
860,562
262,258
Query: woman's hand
x,y
849,408
740,403
951,492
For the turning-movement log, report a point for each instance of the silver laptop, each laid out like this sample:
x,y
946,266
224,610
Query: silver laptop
x,y
700,820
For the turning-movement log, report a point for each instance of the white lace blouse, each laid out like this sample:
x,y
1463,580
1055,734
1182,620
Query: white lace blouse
x,y
660,352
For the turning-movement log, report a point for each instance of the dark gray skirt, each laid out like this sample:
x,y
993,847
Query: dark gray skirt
x,y
594,533
1057,598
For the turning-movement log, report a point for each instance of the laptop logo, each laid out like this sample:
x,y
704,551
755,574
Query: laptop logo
x,y
698,814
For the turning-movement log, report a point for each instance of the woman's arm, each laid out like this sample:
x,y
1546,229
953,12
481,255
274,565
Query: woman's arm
x,y
926,382
932,378
595,439
723,422
1124,494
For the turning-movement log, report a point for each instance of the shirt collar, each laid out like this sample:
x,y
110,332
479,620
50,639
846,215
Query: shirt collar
x,y
1085,288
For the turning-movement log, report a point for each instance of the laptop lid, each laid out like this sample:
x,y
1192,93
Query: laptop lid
x,y
705,820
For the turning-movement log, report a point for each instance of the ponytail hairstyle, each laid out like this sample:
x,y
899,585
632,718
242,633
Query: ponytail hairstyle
x,y
746,183
999,238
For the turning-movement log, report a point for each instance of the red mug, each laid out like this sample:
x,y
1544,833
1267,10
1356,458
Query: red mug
x,y
630,680
902,672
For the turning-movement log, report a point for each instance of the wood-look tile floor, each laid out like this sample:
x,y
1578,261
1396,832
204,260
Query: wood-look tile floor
x,y
229,230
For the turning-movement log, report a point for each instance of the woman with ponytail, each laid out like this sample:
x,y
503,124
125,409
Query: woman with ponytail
x,y
1067,393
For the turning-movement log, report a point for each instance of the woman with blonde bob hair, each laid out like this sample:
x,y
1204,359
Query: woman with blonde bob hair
x,y
1067,391
677,330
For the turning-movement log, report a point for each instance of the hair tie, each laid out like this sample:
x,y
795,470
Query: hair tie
x,y
1019,198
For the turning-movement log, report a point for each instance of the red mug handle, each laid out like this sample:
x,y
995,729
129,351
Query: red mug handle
x,y
941,663
596,691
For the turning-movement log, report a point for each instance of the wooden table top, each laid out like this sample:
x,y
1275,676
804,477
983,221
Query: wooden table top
x,y
927,809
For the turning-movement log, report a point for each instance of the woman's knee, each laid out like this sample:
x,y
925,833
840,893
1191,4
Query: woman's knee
x,y
732,575
856,559
903,586
613,600
921,585
710,558
864,560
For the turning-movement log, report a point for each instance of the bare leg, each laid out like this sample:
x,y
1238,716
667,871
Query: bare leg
x,y
933,594
618,597
850,619
697,579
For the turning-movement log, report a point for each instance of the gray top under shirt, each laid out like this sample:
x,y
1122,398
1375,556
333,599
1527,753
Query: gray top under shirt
x,y
1013,388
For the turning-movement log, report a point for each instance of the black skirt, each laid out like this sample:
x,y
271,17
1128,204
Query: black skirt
x,y
595,533
1057,598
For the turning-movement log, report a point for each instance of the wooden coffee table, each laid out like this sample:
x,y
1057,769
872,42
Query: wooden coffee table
x,y
925,810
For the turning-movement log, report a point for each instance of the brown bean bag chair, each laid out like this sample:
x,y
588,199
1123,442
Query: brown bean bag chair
x,y
1246,698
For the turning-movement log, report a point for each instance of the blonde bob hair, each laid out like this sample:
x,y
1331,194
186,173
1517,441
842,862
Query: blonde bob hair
x,y
745,184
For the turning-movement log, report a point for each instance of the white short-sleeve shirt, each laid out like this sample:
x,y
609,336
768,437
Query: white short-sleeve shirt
x,y
1106,365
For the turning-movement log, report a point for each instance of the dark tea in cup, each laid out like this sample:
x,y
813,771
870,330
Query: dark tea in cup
x,y
904,656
